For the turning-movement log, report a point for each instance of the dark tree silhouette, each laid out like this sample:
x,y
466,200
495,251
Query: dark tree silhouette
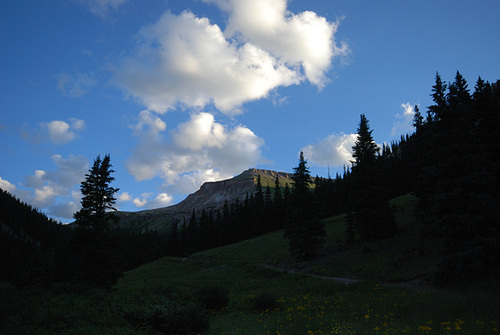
x,y
305,232
98,196
95,250
372,215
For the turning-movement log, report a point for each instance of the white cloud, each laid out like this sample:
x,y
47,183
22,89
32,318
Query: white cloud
x,y
149,123
124,197
102,7
75,85
200,132
61,132
140,202
185,60
334,150
303,39
6,185
45,195
403,123
161,200
198,150
64,209
54,191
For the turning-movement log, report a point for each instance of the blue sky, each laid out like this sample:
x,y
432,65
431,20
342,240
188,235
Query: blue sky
x,y
183,92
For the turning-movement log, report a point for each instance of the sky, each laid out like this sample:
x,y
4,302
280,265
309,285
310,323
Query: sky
x,y
180,92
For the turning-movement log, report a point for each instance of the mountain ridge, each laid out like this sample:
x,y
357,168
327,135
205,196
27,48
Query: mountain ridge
x,y
211,195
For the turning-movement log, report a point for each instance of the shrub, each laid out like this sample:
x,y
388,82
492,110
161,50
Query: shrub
x,y
167,315
213,298
265,301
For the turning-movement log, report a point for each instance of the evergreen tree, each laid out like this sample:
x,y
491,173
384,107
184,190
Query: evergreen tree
x,y
305,232
438,110
278,205
372,213
96,251
457,197
365,148
98,196
418,119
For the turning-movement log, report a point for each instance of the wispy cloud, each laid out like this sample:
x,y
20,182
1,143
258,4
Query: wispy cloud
x,y
144,200
102,7
186,60
54,191
404,120
76,85
56,131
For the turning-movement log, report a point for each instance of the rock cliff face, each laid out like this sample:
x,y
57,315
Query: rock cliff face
x,y
211,195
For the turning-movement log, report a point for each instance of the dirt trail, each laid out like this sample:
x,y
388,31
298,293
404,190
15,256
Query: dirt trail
x,y
340,280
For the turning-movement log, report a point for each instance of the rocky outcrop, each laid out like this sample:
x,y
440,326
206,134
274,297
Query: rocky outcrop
x,y
211,195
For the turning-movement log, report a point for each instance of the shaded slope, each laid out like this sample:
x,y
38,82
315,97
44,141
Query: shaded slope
x,y
211,195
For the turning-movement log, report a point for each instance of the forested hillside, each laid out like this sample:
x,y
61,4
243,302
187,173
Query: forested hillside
x,y
450,163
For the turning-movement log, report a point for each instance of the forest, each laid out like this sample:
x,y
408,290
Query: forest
x,y
450,163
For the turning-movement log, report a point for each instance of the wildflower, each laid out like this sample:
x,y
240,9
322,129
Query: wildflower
x,y
425,329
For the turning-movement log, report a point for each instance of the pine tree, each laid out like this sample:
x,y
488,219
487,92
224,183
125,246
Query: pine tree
x,y
305,232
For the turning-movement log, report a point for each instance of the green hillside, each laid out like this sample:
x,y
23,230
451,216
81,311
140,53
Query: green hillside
x,y
260,290
394,296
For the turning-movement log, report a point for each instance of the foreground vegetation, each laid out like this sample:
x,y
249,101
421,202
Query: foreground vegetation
x,y
237,290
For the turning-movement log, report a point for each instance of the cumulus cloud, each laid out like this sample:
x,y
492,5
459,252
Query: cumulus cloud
x,y
61,132
75,85
124,197
102,7
54,190
196,151
6,185
161,200
404,120
140,202
334,150
64,209
303,39
150,124
186,60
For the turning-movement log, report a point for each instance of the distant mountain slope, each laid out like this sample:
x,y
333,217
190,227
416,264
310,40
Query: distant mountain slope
x,y
211,195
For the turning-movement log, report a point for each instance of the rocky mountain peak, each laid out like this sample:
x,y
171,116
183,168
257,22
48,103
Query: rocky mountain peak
x,y
211,195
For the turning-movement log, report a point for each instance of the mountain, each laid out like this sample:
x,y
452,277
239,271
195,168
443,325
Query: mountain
x,y
211,195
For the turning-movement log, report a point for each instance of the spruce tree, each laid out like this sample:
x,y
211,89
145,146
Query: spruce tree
x,y
365,148
438,110
372,213
98,196
305,232
94,248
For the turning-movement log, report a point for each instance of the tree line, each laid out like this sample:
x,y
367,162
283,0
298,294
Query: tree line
x,y
450,162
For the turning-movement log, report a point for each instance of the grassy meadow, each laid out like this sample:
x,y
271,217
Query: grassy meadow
x,y
394,295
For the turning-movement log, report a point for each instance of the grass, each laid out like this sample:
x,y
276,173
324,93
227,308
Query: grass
x,y
263,301
406,257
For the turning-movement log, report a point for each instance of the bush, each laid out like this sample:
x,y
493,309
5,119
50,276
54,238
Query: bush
x,y
213,298
265,301
174,314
